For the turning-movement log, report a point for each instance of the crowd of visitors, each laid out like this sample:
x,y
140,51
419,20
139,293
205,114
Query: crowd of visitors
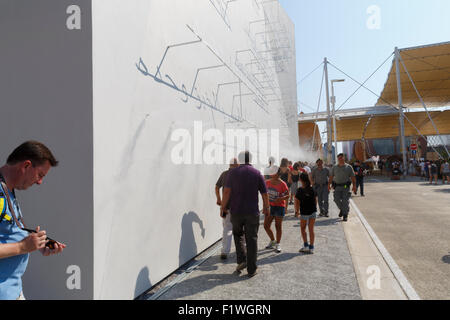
x,y
305,186
279,186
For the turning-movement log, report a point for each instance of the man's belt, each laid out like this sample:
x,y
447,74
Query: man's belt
x,y
347,184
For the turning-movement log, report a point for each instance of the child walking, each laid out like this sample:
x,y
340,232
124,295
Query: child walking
x,y
306,206
278,195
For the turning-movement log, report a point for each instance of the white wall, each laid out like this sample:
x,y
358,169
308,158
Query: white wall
x,y
152,216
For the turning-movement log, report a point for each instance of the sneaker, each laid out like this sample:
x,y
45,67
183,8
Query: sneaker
x,y
271,245
241,267
340,214
223,256
311,250
345,219
305,249
326,215
278,248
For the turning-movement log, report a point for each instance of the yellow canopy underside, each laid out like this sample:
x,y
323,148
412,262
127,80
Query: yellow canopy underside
x,y
381,127
429,67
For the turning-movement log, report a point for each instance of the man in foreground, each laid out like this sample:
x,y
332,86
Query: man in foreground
x,y
26,166
243,185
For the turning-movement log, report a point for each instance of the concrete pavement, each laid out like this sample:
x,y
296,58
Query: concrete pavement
x,y
328,274
412,220
337,270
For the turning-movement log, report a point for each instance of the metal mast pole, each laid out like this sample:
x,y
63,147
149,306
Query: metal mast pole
x,y
400,110
333,101
329,140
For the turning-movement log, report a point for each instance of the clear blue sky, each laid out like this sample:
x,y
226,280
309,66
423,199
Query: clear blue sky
x,y
337,29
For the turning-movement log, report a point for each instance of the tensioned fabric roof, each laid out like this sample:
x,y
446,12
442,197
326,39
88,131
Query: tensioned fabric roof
x,y
429,67
387,126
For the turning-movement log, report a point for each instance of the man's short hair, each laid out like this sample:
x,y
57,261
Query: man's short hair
x,y
33,151
319,160
245,157
341,155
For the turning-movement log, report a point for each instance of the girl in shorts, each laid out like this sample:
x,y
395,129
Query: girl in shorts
x,y
278,195
306,206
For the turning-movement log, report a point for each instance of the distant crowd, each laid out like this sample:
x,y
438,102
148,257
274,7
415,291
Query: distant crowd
x,y
428,170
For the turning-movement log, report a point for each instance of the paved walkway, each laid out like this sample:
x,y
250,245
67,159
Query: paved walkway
x,y
327,275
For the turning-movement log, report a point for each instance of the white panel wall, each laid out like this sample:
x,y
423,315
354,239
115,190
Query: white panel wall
x,y
150,215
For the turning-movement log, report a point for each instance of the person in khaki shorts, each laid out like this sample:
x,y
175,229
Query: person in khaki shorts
x,y
342,176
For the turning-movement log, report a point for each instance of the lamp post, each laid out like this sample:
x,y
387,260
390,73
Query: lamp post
x,y
333,101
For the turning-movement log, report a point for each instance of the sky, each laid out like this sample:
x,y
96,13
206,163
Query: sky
x,y
357,36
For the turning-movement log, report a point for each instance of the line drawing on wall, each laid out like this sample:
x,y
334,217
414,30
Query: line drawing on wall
x,y
236,114
221,7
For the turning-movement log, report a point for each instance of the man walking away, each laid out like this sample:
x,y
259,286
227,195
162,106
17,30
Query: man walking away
x,y
359,174
225,215
445,171
422,170
341,178
242,187
433,172
320,176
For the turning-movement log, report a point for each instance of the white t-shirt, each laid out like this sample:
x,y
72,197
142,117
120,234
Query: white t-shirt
x,y
308,169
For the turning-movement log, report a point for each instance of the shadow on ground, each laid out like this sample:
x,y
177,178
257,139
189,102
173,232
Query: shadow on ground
x,y
204,283
322,223
443,190
446,259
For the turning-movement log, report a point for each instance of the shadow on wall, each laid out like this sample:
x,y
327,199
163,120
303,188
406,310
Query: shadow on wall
x,y
188,246
143,282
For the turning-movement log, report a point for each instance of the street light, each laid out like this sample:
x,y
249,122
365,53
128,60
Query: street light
x,y
333,101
